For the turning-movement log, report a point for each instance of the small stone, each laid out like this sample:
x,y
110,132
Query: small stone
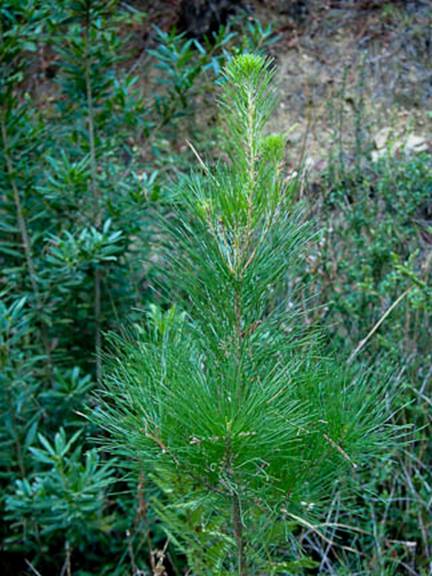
x,y
416,144
382,137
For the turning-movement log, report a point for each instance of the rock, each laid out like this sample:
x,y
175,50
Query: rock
x,y
386,141
416,143
381,139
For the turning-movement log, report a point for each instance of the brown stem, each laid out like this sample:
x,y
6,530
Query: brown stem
x,y
238,534
68,562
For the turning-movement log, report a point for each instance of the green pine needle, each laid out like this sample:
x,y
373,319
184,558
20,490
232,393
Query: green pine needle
x,y
228,402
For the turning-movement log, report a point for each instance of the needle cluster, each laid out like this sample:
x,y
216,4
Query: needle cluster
x,y
227,401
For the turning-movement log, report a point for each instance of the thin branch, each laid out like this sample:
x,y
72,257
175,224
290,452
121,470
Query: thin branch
x,y
365,340
238,534
340,450
198,157
32,568
315,530
67,566
96,197
22,225
26,244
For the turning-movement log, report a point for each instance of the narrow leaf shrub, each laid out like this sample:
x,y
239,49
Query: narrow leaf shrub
x,y
90,126
228,401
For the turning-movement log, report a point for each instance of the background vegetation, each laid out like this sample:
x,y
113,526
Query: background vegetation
x,y
94,129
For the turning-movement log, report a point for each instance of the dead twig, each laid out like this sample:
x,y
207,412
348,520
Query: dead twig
x,y
365,340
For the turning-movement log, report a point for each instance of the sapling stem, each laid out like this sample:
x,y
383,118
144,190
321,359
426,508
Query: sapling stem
x,y
238,534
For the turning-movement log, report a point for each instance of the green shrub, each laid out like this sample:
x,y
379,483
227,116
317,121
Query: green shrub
x,y
371,286
230,405
85,149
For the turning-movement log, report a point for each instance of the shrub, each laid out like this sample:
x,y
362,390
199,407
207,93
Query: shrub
x,y
81,145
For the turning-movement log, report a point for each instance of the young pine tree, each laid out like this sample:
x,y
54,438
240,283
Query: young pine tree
x,y
228,404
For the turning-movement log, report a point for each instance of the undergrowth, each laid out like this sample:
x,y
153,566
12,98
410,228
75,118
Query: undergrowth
x,y
94,127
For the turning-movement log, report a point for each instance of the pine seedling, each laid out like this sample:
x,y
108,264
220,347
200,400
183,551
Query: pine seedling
x,y
227,402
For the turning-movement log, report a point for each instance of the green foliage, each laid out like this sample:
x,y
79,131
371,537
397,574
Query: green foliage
x,y
93,127
374,253
381,217
66,498
232,407
85,150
